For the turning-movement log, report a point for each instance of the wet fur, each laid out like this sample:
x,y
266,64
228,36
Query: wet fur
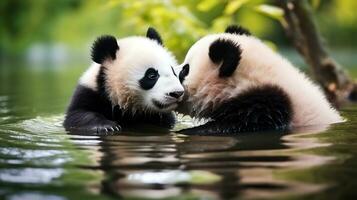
x,y
91,112
256,109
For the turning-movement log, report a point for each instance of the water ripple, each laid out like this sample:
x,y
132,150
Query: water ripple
x,y
152,165
30,175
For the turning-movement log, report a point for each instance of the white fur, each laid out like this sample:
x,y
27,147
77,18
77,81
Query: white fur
x,y
259,65
137,54
89,77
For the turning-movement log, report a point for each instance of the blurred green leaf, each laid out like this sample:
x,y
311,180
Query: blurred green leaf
x,y
220,23
111,4
233,6
207,5
271,11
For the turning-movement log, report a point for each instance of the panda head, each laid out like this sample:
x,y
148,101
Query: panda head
x,y
216,67
137,73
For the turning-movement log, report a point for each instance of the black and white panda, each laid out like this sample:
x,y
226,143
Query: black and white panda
x,y
131,81
239,84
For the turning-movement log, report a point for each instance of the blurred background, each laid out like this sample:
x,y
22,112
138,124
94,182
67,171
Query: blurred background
x,y
44,48
45,45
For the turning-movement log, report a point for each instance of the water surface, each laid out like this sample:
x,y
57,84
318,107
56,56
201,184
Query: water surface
x,y
39,160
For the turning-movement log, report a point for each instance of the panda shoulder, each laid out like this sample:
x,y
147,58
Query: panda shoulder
x,y
89,77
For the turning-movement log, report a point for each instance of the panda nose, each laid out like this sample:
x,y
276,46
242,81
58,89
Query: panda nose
x,y
176,94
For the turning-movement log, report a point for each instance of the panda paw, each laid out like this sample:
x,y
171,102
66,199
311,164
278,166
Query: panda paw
x,y
108,129
102,127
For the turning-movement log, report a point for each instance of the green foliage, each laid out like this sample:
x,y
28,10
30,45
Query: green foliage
x,y
337,21
23,21
315,3
207,5
233,6
180,22
271,11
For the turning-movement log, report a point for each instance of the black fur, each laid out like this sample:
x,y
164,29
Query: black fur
x,y
154,35
173,71
101,82
91,112
258,109
227,52
104,47
184,72
234,29
149,80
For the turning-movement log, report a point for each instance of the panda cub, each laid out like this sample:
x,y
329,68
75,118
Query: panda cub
x,y
239,84
131,82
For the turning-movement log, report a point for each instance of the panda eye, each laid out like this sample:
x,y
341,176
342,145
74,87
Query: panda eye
x,y
149,79
152,74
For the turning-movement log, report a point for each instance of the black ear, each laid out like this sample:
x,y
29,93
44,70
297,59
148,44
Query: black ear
x,y
184,72
227,52
104,47
235,29
154,35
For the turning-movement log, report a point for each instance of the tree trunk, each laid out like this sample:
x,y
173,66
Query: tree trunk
x,y
300,27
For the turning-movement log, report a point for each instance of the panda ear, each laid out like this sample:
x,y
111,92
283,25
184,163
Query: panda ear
x,y
154,35
235,29
227,52
104,47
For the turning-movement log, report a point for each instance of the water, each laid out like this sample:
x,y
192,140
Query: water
x,y
39,160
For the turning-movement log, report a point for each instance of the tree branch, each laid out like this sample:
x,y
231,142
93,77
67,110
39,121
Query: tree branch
x,y
301,29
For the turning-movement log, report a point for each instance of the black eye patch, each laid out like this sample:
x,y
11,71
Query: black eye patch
x,y
184,72
150,78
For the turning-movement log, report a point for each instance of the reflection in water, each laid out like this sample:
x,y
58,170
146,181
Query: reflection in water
x,y
163,166
39,160
34,196
29,175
